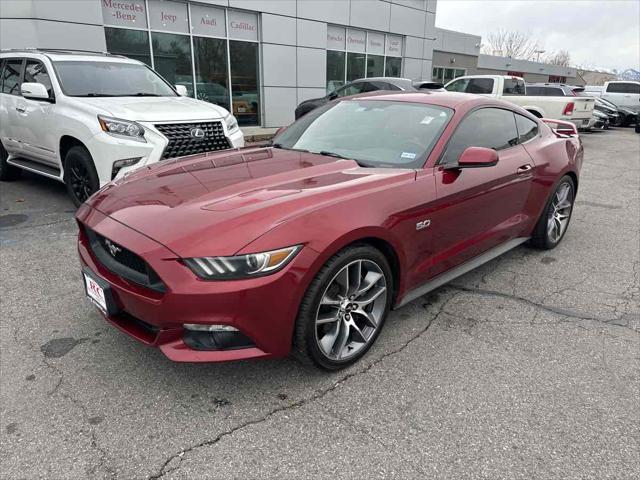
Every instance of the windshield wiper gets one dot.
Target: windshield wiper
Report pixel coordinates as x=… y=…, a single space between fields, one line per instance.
x=333 y=154
x=342 y=157
x=144 y=94
x=94 y=94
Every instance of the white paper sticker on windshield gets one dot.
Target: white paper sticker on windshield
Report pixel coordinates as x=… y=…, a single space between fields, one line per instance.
x=426 y=120
x=408 y=155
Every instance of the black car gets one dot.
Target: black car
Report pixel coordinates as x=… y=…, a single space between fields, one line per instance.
x=364 y=85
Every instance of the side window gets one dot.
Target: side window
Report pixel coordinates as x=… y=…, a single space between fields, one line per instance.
x=488 y=127
x=385 y=86
x=633 y=88
x=351 y=89
x=11 y=77
x=472 y=85
x=480 y=85
x=614 y=88
x=2 y=62
x=36 y=72
x=513 y=86
x=527 y=129
x=623 y=88
x=536 y=91
x=370 y=87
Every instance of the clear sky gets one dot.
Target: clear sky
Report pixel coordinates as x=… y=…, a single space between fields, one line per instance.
x=597 y=33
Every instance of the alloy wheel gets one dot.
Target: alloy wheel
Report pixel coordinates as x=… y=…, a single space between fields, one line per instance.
x=80 y=181
x=560 y=212
x=351 y=310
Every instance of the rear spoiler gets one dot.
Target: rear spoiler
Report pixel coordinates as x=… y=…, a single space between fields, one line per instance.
x=561 y=128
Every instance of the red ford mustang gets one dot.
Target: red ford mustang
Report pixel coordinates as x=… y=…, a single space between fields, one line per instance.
x=359 y=207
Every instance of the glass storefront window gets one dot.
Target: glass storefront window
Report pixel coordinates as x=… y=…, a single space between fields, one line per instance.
x=355 y=66
x=445 y=75
x=244 y=82
x=448 y=75
x=366 y=54
x=375 y=66
x=172 y=59
x=212 y=84
x=393 y=67
x=335 y=70
x=130 y=43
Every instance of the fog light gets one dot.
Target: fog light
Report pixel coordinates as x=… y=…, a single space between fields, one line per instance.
x=196 y=327
x=120 y=164
x=214 y=337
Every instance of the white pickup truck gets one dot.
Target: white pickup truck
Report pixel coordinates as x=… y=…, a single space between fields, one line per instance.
x=622 y=93
x=576 y=110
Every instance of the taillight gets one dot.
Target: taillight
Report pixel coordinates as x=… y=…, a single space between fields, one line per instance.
x=568 y=109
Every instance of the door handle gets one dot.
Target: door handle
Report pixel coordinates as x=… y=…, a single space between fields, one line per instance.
x=524 y=169
x=21 y=109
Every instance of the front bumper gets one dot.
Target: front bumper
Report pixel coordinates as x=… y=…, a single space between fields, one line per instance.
x=106 y=150
x=262 y=309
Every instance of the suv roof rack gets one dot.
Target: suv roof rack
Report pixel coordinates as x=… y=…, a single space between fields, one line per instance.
x=61 y=50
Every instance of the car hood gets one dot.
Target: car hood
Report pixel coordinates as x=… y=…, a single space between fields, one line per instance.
x=217 y=203
x=156 y=109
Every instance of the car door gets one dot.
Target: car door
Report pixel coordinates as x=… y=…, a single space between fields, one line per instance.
x=33 y=120
x=624 y=94
x=10 y=93
x=479 y=208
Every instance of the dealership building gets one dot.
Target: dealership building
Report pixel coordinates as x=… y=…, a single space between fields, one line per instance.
x=260 y=58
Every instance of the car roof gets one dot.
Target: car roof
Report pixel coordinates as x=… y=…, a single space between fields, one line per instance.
x=442 y=99
x=73 y=55
x=398 y=81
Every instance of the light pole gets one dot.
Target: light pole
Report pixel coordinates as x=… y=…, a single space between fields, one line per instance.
x=538 y=52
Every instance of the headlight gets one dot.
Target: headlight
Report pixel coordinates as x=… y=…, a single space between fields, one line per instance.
x=231 y=122
x=241 y=266
x=122 y=128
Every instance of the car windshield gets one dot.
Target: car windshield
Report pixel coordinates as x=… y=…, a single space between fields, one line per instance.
x=375 y=133
x=110 y=79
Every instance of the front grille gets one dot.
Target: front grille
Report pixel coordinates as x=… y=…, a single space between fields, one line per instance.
x=123 y=262
x=182 y=142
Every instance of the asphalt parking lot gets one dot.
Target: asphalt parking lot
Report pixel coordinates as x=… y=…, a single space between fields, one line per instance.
x=526 y=368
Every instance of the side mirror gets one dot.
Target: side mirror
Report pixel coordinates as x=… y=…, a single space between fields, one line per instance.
x=476 y=157
x=182 y=90
x=35 y=91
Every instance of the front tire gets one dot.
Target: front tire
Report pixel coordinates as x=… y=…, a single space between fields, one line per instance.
x=80 y=175
x=7 y=172
x=344 y=308
x=555 y=218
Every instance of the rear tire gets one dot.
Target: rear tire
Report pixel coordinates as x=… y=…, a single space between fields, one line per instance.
x=338 y=323
x=80 y=175
x=7 y=172
x=554 y=220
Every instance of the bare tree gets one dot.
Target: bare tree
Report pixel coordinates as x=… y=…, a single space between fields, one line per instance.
x=562 y=58
x=512 y=44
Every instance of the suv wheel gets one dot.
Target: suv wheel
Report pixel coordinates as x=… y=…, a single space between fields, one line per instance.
x=554 y=221
x=344 y=308
x=80 y=175
x=7 y=172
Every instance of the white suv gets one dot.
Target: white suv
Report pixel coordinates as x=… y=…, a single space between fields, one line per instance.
x=85 y=119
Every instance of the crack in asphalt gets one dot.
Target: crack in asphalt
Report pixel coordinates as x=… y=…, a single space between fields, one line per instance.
x=549 y=308
x=93 y=439
x=300 y=403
